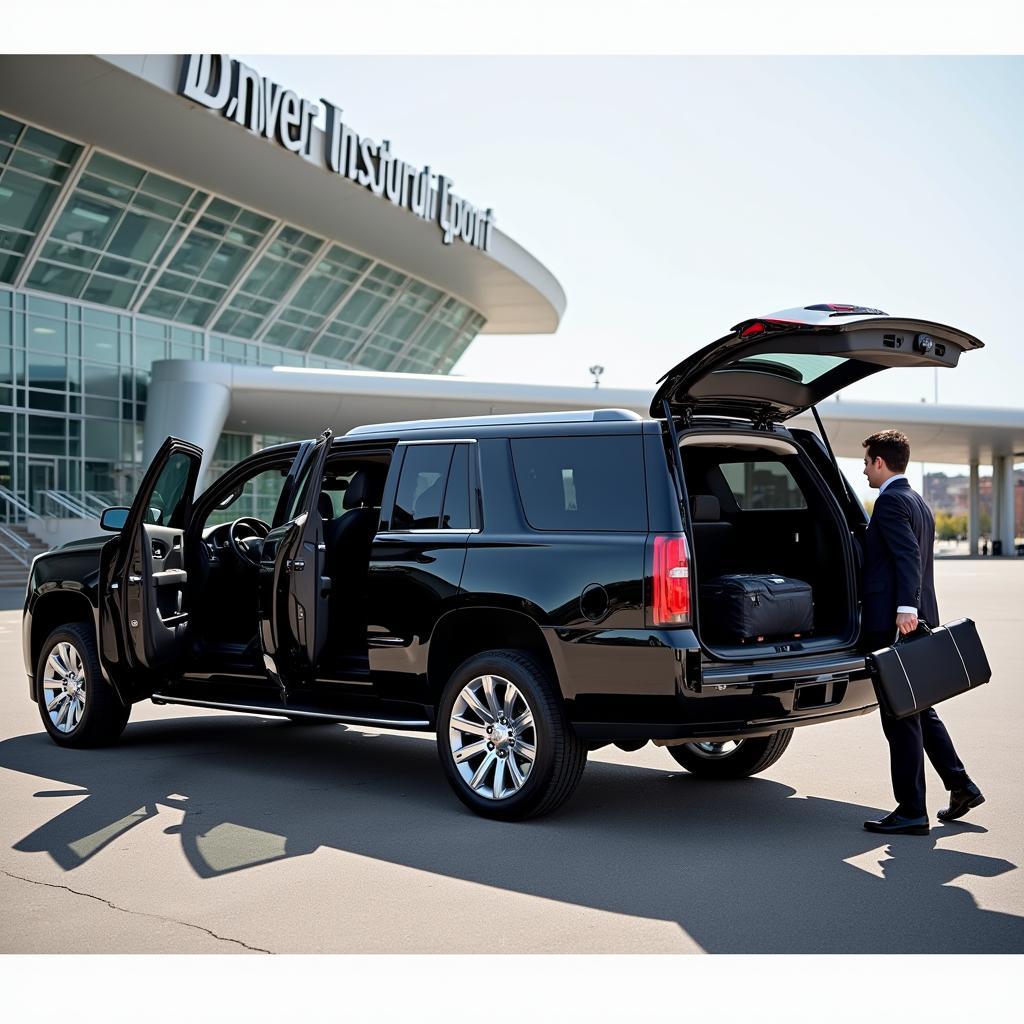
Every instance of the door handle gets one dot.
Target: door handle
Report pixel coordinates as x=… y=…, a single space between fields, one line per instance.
x=134 y=579
x=294 y=565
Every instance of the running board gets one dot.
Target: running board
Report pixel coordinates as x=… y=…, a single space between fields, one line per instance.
x=281 y=711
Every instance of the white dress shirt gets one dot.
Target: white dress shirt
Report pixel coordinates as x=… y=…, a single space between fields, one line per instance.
x=898 y=476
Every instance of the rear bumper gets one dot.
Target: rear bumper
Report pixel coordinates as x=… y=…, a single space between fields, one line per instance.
x=722 y=718
x=693 y=698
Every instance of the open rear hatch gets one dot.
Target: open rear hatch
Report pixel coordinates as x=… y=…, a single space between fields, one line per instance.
x=769 y=369
x=772 y=368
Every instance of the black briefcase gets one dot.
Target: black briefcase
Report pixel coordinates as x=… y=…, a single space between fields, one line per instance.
x=910 y=677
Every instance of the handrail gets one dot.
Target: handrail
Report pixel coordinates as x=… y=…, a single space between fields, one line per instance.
x=11 y=500
x=93 y=503
x=77 y=499
x=106 y=499
x=65 y=501
x=17 y=538
x=18 y=556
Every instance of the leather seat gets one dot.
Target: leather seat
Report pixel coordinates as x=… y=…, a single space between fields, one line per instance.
x=325 y=506
x=714 y=537
x=348 y=539
x=361 y=503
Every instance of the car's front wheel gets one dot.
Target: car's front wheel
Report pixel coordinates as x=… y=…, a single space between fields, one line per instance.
x=504 y=741
x=79 y=708
x=731 y=759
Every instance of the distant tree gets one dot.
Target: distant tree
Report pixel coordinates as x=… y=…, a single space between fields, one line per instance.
x=949 y=526
x=870 y=505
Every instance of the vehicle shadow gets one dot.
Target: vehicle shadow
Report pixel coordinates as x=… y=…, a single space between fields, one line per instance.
x=742 y=866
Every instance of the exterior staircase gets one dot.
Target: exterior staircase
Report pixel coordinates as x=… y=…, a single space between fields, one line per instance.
x=18 y=546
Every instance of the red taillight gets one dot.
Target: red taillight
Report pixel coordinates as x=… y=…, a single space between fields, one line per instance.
x=755 y=328
x=670 y=582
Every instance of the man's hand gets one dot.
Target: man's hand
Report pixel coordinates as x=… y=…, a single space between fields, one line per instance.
x=906 y=622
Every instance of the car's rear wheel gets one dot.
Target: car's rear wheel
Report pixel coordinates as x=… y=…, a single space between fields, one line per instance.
x=78 y=707
x=731 y=759
x=504 y=741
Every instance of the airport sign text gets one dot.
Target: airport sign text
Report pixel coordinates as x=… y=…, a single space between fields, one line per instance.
x=265 y=108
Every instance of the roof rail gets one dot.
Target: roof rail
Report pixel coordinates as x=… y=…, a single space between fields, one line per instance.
x=508 y=419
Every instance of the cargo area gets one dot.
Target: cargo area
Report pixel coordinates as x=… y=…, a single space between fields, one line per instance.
x=758 y=506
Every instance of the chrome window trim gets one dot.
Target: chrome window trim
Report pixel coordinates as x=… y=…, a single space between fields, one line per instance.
x=440 y=440
x=396 y=533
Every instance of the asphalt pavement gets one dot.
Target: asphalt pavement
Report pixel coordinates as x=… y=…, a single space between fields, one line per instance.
x=210 y=832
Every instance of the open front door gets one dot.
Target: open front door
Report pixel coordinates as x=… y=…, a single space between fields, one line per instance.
x=144 y=610
x=293 y=586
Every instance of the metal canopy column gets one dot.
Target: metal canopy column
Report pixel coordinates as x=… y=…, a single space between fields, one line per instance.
x=973 y=511
x=190 y=400
x=1002 y=502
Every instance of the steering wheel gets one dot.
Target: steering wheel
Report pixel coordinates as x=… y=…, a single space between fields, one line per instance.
x=246 y=536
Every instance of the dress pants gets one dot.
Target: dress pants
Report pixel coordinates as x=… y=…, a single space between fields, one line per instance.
x=910 y=739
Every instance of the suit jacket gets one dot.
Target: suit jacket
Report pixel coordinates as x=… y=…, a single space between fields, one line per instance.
x=898 y=566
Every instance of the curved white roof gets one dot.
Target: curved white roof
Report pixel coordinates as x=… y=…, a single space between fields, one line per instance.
x=129 y=106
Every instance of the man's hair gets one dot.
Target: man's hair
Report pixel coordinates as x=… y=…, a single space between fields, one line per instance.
x=891 y=446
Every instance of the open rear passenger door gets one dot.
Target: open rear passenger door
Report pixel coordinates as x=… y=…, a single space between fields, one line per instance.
x=144 y=605
x=293 y=586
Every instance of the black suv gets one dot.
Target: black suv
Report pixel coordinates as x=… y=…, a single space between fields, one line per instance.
x=524 y=585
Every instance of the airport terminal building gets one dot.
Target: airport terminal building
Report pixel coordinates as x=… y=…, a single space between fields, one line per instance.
x=185 y=207
x=184 y=249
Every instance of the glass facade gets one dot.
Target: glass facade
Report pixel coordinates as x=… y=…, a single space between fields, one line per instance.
x=106 y=267
x=33 y=166
x=113 y=229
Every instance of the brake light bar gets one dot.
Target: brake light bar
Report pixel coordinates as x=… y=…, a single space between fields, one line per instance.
x=670 y=583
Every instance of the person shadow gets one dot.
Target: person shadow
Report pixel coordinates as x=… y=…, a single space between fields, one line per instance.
x=746 y=866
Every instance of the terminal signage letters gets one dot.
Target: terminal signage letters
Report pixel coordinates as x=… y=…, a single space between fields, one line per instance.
x=265 y=108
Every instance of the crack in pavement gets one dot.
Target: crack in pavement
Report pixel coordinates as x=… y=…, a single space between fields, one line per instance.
x=137 y=913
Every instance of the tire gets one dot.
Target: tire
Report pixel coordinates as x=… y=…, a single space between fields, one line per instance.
x=748 y=757
x=535 y=762
x=97 y=716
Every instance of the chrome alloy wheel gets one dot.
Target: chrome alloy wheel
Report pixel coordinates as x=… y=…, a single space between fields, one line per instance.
x=712 y=749
x=64 y=686
x=492 y=737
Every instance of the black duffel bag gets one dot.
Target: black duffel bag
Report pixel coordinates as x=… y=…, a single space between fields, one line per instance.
x=910 y=677
x=752 y=606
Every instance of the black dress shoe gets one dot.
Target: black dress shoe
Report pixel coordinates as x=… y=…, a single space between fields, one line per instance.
x=898 y=824
x=960 y=802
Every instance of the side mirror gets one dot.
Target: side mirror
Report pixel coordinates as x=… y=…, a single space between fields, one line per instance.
x=113 y=519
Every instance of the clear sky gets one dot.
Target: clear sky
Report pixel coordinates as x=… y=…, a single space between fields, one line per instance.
x=675 y=196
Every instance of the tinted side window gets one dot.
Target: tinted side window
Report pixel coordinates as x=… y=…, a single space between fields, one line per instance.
x=456 y=496
x=766 y=484
x=167 y=501
x=303 y=482
x=421 y=487
x=582 y=483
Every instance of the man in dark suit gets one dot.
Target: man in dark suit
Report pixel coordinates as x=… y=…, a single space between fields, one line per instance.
x=898 y=588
